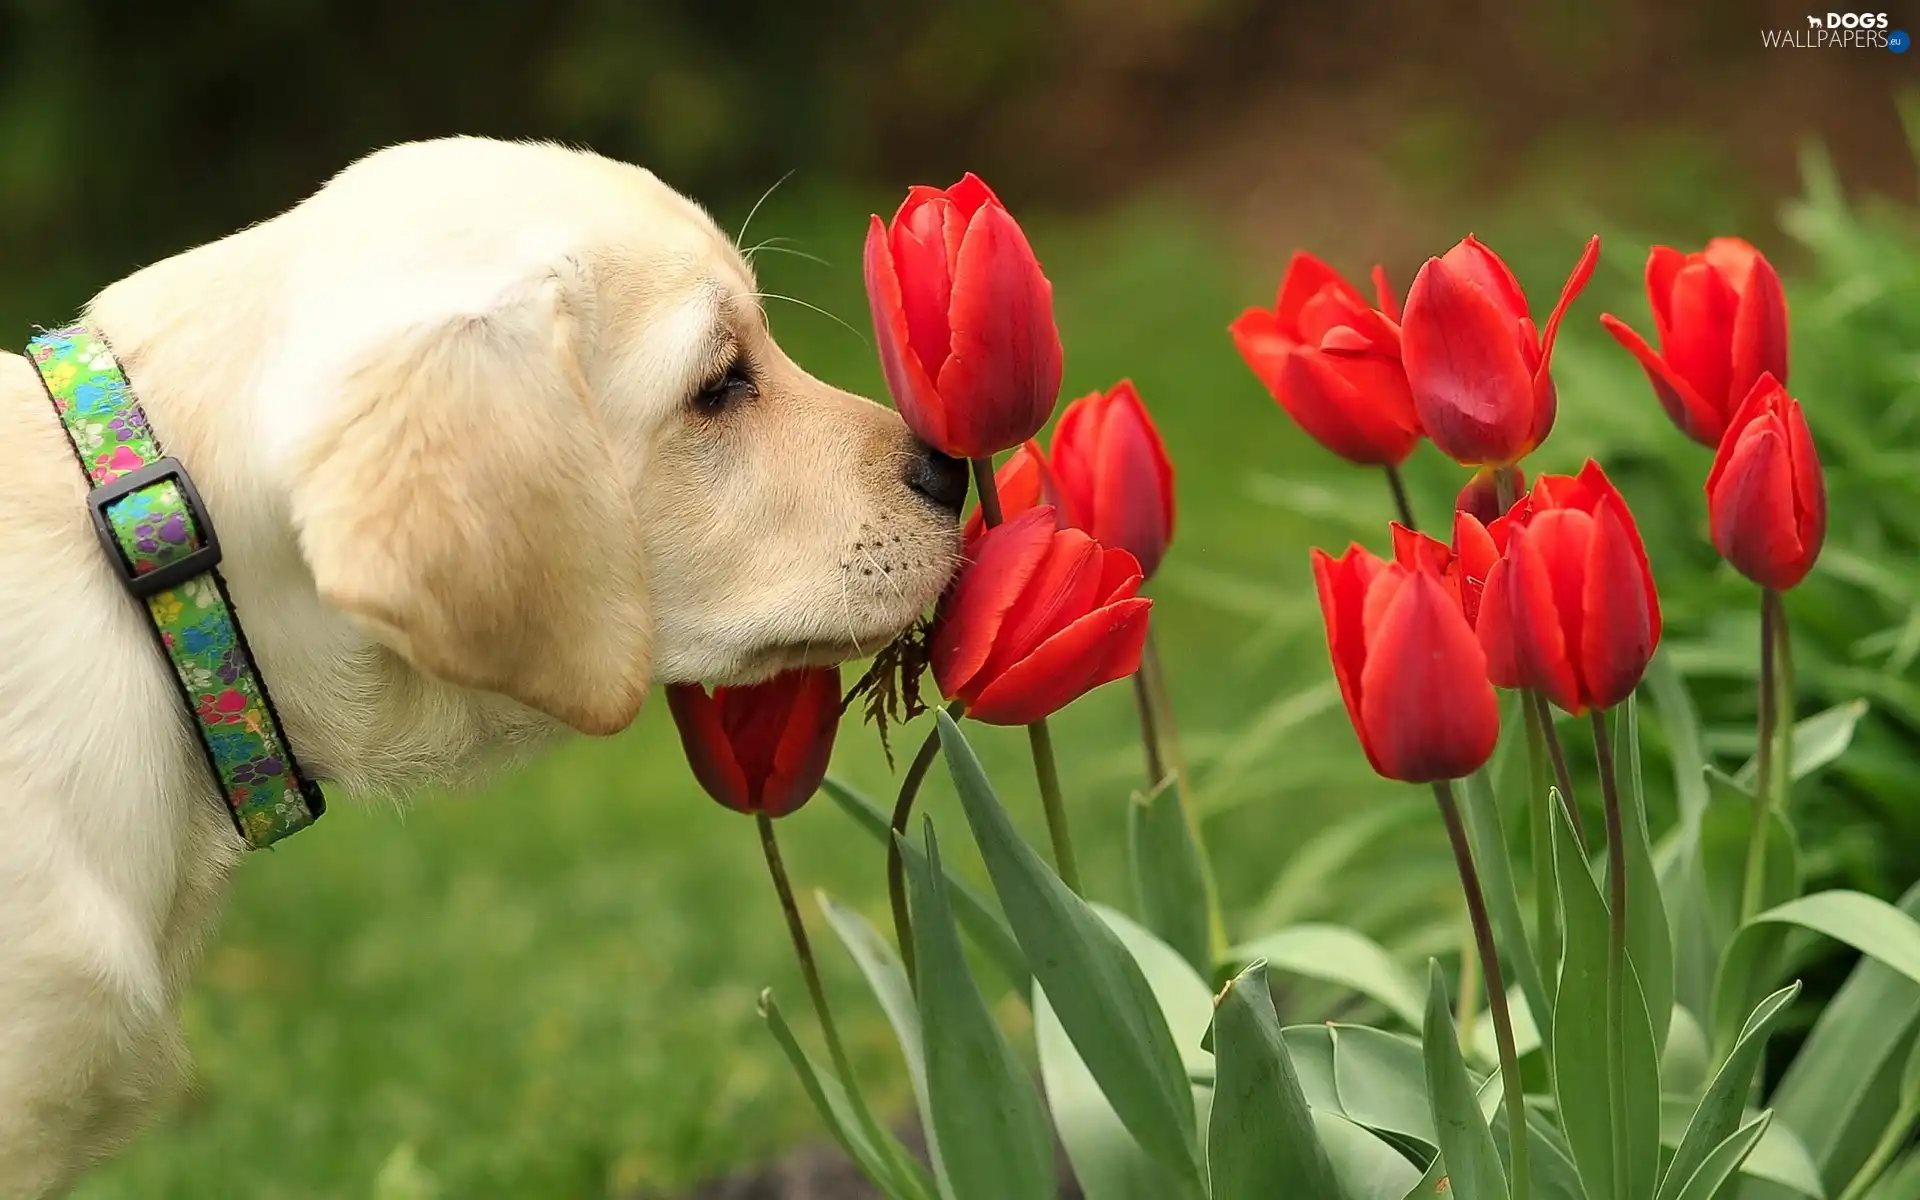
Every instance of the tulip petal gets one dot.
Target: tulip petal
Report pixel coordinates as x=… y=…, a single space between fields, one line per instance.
x=1100 y=647
x=1619 y=630
x=1493 y=625
x=1751 y=509
x=1699 y=348
x=1809 y=486
x=1383 y=297
x=1759 y=328
x=1536 y=582
x=913 y=391
x=708 y=750
x=1359 y=408
x=1692 y=415
x=924 y=265
x=806 y=744
x=1065 y=587
x=1413 y=549
x=1342 y=585
x=1471 y=259
x=1663 y=265
x=1470 y=384
x=1427 y=706
x=1022 y=483
x=1004 y=371
x=1474 y=557
x=971 y=194
x=1306 y=278
x=1258 y=335
x=1576 y=283
x=1734 y=258
x=971 y=616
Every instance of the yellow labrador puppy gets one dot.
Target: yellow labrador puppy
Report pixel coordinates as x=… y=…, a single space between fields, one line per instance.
x=495 y=439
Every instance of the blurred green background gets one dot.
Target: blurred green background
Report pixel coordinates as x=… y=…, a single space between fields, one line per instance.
x=547 y=988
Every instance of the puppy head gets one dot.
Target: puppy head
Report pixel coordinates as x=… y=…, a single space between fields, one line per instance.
x=566 y=457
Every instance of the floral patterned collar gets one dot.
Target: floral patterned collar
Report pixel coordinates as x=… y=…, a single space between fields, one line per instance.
x=157 y=535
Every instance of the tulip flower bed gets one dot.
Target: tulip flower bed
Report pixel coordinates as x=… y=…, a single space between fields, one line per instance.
x=1605 y=1041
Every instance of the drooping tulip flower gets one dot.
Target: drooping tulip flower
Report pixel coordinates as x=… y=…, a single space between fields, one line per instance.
x=1766 y=494
x=1481 y=495
x=1721 y=318
x=1333 y=363
x=1477 y=365
x=1114 y=474
x=1412 y=674
x=1572 y=600
x=1038 y=617
x=963 y=318
x=761 y=748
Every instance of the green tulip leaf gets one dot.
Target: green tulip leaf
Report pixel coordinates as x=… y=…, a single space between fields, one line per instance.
x=1366 y=1166
x=1606 y=1077
x=1649 y=940
x=1169 y=874
x=983 y=924
x=1107 y=1162
x=1338 y=955
x=1466 y=1143
x=995 y=1143
x=1817 y=741
x=887 y=1165
x=1481 y=813
x=1720 y=1110
x=1718 y=1164
x=1261 y=1139
x=1096 y=988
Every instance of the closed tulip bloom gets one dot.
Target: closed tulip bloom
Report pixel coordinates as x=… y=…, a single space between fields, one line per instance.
x=1112 y=470
x=1766 y=494
x=1481 y=495
x=762 y=748
x=1572 y=600
x=1038 y=617
x=1412 y=674
x=964 y=320
x=1332 y=361
x=1477 y=365
x=1721 y=318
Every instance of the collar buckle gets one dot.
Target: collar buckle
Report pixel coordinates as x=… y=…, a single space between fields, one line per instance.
x=175 y=571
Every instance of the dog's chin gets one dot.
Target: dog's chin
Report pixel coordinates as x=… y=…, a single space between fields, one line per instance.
x=768 y=661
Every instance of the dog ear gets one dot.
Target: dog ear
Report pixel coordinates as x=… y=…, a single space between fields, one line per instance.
x=465 y=503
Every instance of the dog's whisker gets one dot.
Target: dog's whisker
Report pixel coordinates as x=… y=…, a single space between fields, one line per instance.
x=771 y=244
x=884 y=573
x=835 y=317
x=742 y=235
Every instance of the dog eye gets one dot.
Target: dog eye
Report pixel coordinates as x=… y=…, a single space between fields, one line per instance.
x=725 y=390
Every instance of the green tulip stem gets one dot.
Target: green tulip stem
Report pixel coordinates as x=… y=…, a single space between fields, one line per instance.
x=1047 y=771
x=1540 y=816
x=1616 y=931
x=989 y=489
x=902 y=813
x=1892 y=1141
x=1542 y=718
x=1149 y=728
x=1770 y=767
x=1150 y=684
x=810 y=971
x=1400 y=500
x=1520 y=1182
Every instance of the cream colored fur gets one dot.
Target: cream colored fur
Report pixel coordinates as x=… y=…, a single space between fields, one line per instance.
x=441 y=413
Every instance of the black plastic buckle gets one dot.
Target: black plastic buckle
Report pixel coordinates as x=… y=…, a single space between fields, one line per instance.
x=196 y=562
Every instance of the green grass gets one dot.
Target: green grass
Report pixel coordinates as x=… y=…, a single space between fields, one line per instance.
x=547 y=988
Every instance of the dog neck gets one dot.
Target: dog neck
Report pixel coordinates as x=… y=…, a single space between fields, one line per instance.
x=357 y=713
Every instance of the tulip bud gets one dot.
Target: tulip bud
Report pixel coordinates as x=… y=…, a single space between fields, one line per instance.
x=1721 y=317
x=1040 y=616
x=1333 y=363
x=761 y=748
x=1412 y=674
x=1114 y=474
x=1476 y=365
x=963 y=318
x=1571 y=603
x=1766 y=494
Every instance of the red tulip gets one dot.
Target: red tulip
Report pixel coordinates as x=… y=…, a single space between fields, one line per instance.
x=1412 y=674
x=1481 y=495
x=1114 y=475
x=964 y=320
x=761 y=748
x=1040 y=616
x=1766 y=495
x=1333 y=362
x=1572 y=602
x=1463 y=566
x=1721 y=318
x=1477 y=366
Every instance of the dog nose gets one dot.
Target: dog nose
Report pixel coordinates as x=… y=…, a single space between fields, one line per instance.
x=940 y=479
